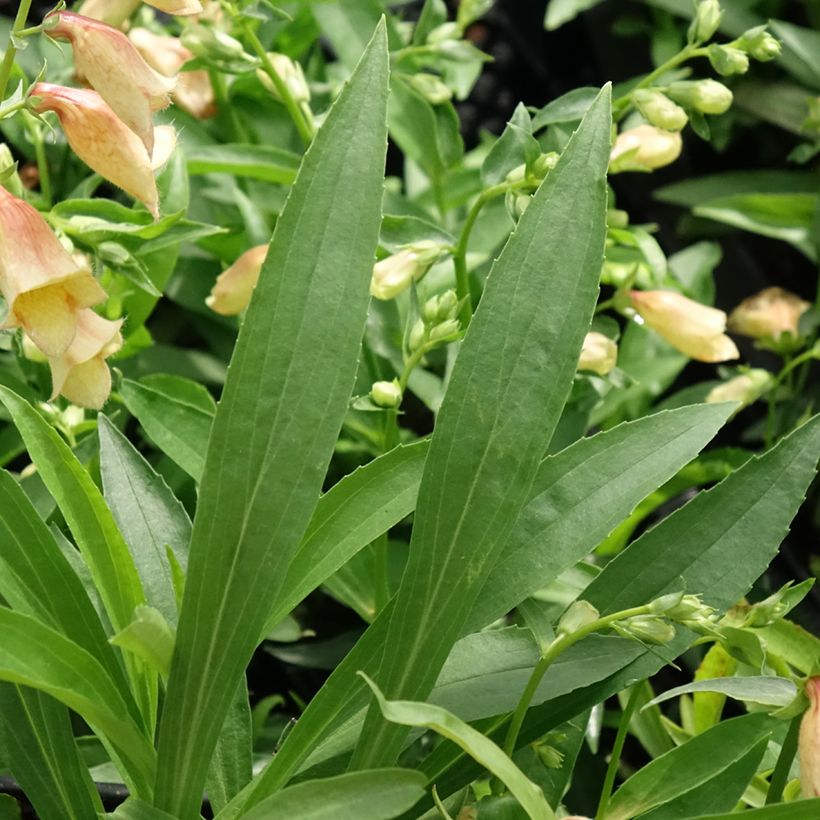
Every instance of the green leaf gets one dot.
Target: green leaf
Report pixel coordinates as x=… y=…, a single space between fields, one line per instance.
x=9 y=808
x=37 y=741
x=479 y=747
x=562 y=11
x=265 y=162
x=801 y=47
x=769 y=691
x=512 y=148
x=513 y=374
x=37 y=656
x=135 y=809
x=177 y=415
x=285 y=397
x=569 y=107
x=699 y=190
x=148 y=514
x=688 y=766
x=378 y=794
x=149 y=637
x=798 y=810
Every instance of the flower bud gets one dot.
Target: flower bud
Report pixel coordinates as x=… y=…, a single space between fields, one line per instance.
x=644 y=148
x=516 y=203
x=647 y=628
x=101 y=139
x=444 y=32
x=394 y=274
x=706 y=96
x=694 y=329
x=447 y=330
x=431 y=87
x=809 y=743
x=193 y=91
x=234 y=286
x=440 y=308
x=769 y=313
x=706 y=21
x=386 y=394
x=578 y=615
x=81 y=373
x=727 y=60
x=657 y=109
x=746 y=388
x=598 y=354
x=114 y=68
x=291 y=74
x=43 y=285
x=759 y=44
x=666 y=603
x=544 y=164
x=418 y=336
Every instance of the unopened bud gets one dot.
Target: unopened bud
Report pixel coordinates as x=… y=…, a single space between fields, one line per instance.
x=759 y=44
x=644 y=148
x=444 y=32
x=706 y=21
x=447 y=330
x=431 y=87
x=598 y=354
x=647 y=628
x=516 y=203
x=440 y=308
x=545 y=163
x=746 y=388
x=666 y=603
x=291 y=75
x=418 y=336
x=769 y=313
x=386 y=394
x=518 y=174
x=809 y=743
x=394 y=274
x=727 y=60
x=706 y=96
x=657 y=109
x=578 y=615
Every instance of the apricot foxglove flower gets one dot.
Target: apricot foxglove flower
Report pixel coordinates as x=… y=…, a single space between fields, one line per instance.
x=394 y=274
x=644 y=148
x=112 y=66
x=44 y=286
x=746 y=388
x=193 y=91
x=81 y=373
x=769 y=313
x=695 y=329
x=234 y=286
x=598 y=354
x=101 y=139
x=809 y=743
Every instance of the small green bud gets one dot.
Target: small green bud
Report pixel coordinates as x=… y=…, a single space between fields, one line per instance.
x=446 y=330
x=291 y=75
x=394 y=274
x=418 y=335
x=578 y=615
x=658 y=110
x=204 y=41
x=444 y=32
x=768 y=611
x=386 y=394
x=518 y=174
x=545 y=163
x=706 y=21
x=447 y=306
x=689 y=606
x=647 y=628
x=431 y=87
x=759 y=44
x=706 y=96
x=662 y=605
x=551 y=757
x=516 y=203
x=616 y=218
x=727 y=60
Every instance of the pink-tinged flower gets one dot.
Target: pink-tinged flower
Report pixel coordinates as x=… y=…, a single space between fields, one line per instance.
x=772 y=312
x=101 y=139
x=81 y=373
x=113 y=67
x=44 y=286
x=694 y=329
x=193 y=91
x=809 y=744
x=234 y=286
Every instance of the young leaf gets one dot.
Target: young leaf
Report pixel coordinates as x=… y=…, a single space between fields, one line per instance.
x=769 y=691
x=149 y=637
x=291 y=376
x=378 y=794
x=479 y=747
x=798 y=810
x=513 y=374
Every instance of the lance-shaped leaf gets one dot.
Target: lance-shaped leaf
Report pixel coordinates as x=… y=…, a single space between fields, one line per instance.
x=284 y=401
x=505 y=396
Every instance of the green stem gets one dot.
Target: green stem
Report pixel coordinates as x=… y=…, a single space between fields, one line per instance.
x=224 y=107
x=381 y=584
x=11 y=51
x=780 y=775
x=617 y=748
x=558 y=646
x=304 y=128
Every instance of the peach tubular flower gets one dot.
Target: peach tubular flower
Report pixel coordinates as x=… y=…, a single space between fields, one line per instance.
x=809 y=743
x=101 y=139
x=693 y=328
x=81 y=373
x=772 y=312
x=193 y=91
x=234 y=286
x=112 y=66
x=44 y=286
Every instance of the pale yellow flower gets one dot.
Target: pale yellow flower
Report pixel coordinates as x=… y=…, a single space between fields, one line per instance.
x=395 y=273
x=599 y=354
x=771 y=312
x=644 y=148
x=234 y=286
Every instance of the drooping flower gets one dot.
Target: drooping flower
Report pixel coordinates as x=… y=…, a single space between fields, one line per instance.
x=394 y=274
x=695 y=329
x=809 y=743
x=101 y=139
x=81 y=373
x=234 y=286
x=746 y=388
x=113 y=67
x=193 y=91
x=44 y=286
x=644 y=148
x=769 y=313
x=598 y=354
